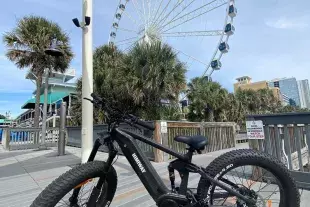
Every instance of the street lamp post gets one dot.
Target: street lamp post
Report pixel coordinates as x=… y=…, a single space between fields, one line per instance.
x=87 y=77
x=52 y=51
x=87 y=83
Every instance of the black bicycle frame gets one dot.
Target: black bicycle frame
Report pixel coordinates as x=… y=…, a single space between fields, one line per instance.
x=146 y=172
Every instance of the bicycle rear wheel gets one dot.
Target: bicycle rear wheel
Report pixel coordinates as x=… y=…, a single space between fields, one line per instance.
x=60 y=190
x=254 y=174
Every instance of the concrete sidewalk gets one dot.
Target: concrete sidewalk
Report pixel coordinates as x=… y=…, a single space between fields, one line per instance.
x=24 y=174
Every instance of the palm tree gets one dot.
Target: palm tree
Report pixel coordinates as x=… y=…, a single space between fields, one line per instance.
x=109 y=82
x=155 y=74
x=137 y=82
x=111 y=79
x=207 y=99
x=231 y=110
x=26 y=45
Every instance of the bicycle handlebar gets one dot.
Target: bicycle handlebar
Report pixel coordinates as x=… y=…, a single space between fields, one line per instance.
x=144 y=124
x=133 y=119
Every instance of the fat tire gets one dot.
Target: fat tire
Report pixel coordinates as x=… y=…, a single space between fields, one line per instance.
x=55 y=191
x=244 y=157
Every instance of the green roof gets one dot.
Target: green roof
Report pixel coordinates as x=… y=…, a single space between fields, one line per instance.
x=3 y=121
x=52 y=97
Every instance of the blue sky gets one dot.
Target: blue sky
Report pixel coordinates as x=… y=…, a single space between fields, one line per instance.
x=271 y=41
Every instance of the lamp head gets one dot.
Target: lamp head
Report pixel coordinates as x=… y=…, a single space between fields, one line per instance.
x=53 y=50
x=76 y=22
x=87 y=20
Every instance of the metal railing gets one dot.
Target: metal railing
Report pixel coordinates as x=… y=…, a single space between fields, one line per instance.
x=220 y=136
x=28 y=138
x=287 y=137
x=74 y=137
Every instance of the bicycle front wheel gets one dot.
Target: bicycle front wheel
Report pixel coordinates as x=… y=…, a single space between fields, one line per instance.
x=84 y=178
x=253 y=174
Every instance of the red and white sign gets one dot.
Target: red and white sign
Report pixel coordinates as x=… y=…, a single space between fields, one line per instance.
x=255 y=129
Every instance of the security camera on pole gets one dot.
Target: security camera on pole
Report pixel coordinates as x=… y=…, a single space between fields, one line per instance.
x=87 y=78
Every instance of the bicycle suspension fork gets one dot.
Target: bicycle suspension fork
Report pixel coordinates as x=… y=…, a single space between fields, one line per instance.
x=74 y=198
x=112 y=153
x=96 y=190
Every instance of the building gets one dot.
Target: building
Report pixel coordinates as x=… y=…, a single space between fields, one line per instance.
x=7 y=122
x=245 y=82
x=59 y=90
x=289 y=87
x=304 y=93
x=286 y=100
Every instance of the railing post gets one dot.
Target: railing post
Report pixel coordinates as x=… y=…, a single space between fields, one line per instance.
x=202 y=129
x=161 y=138
x=298 y=145
x=158 y=154
x=62 y=130
x=267 y=143
x=6 y=138
x=277 y=142
x=287 y=143
x=307 y=128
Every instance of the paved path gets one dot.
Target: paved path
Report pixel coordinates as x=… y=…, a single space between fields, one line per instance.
x=24 y=174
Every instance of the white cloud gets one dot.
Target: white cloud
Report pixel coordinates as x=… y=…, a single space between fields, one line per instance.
x=284 y=23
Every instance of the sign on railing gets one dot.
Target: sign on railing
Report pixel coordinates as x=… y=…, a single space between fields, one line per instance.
x=286 y=137
x=255 y=129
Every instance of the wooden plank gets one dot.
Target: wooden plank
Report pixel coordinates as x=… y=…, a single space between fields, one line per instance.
x=183 y=124
x=158 y=154
x=287 y=143
x=277 y=143
x=298 y=141
x=295 y=158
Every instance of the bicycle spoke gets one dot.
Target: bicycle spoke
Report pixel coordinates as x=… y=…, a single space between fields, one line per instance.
x=256 y=180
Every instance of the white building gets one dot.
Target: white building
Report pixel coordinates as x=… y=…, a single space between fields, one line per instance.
x=304 y=93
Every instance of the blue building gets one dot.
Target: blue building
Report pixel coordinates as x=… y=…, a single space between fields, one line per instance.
x=285 y=99
x=289 y=87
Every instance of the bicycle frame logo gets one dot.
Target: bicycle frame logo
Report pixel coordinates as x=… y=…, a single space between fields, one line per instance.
x=138 y=162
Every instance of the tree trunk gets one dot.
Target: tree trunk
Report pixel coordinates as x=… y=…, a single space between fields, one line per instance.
x=37 y=111
x=210 y=116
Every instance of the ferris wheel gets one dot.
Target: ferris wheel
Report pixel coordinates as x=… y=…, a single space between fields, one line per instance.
x=183 y=24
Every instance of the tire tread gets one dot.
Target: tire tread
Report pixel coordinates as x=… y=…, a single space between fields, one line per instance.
x=67 y=181
x=253 y=157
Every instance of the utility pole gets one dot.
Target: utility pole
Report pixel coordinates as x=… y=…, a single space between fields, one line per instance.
x=87 y=80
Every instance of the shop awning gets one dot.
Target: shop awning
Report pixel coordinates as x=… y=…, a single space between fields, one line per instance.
x=52 y=97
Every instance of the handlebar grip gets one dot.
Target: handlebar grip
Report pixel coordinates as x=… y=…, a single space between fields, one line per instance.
x=146 y=125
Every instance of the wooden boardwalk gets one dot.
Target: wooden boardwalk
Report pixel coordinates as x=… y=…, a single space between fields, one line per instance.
x=24 y=174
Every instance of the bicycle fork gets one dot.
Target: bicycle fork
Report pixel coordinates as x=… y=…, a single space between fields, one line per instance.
x=97 y=189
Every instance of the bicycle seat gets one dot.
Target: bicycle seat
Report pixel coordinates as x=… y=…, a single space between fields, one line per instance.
x=197 y=142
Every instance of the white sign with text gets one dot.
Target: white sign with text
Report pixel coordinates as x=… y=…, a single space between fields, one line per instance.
x=255 y=129
x=163 y=127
